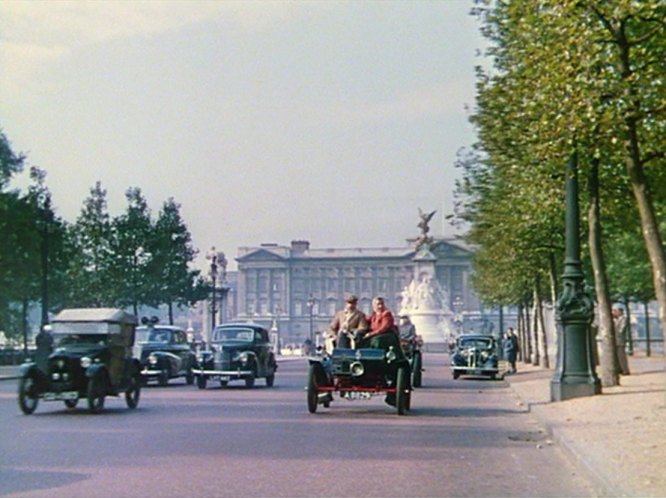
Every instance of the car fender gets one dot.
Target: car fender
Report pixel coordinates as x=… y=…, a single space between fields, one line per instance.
x=167 y=360
x=29 y=369
x=96 y=370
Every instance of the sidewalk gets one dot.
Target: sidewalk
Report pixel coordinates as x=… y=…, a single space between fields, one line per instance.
x=619 y=436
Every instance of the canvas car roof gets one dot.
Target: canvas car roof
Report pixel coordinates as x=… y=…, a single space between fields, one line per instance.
x=108 y=315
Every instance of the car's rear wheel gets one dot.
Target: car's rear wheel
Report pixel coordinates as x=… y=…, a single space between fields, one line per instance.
x=96 y=394
x=401 y=391
x=201 y=381
x=133 y=393
x=71 y=403
x=313 y=392
x=26 y=396
x=416 y=369
x=163 y=378
x=270 y=380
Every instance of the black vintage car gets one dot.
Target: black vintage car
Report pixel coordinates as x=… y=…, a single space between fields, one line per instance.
x=92 y=359
x=361 y=374
x=237 y=351
x=475 y=354
x=165 y=353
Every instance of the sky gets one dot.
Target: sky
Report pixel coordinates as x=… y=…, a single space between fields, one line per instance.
x=269 y=121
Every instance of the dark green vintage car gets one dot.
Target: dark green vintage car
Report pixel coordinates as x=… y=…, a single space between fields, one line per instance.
x=164 y=353
x=92 y=359
x=237 y=351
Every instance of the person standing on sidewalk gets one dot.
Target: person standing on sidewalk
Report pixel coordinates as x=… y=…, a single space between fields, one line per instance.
x=511 y=349
x=620 y=325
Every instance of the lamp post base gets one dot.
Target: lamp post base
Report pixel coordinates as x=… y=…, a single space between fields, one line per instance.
x=562 y=391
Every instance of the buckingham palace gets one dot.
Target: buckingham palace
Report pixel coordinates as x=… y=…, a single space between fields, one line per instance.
x=296 y=289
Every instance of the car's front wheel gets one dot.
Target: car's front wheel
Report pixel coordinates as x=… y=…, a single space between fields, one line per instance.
x=163 y=377
x=417 y=369
x=249 y=381
x=26 y=396
x=456 y=374
x=96 y=394
x=133 y=393
x=201 y=381
x=189 y=378
x=270 y=380
x=402 y=391
x=313 y=392
x=71 y=403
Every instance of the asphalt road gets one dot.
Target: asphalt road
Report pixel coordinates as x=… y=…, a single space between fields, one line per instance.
x=467 y=437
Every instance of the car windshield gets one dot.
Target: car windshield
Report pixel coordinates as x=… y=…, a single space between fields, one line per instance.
x=144 y=336
x=233 y=334
x=61 y=340
x=476 y=342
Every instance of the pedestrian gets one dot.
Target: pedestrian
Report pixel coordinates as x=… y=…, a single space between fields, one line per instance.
x=620 y=326
x=44 y=343
x=347 y=322
x=511 y=349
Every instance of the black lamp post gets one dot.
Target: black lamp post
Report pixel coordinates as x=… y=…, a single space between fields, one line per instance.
x=212 y=256
x=575 y=376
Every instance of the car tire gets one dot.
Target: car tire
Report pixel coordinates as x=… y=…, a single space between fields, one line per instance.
x=96 y=394
x=401 y=390
x=313 y=392
x=417 y=374
x=249 y=381
x=270 y=380
x=456 y=374
x=224 y=383
x=133 y=393
x=163 y=378
x=27 y=400
x=189 y=378
x=71 y=403
x=201 y=381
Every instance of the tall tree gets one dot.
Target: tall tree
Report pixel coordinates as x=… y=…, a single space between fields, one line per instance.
x=173 y=253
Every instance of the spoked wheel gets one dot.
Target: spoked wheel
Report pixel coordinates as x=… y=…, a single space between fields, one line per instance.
x=402 y=391
x=133 y=393
x=163 y=378
x=71 y=403
x=26 y=396
x=201 y=381
x=416 y=369
x=313 y=393
x=96 y=394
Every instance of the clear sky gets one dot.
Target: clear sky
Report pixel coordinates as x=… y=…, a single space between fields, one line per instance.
x=267 y=121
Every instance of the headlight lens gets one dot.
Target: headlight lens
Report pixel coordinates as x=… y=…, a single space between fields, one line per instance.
x=200 y=358
x=86 y=361
x=242 y=357
x=152 y=359
x=356 y=368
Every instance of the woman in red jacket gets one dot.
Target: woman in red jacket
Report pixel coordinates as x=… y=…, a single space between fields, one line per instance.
x=381 y=320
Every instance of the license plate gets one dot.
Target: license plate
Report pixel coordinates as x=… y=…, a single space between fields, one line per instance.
x=61 y=396
x=220 y=377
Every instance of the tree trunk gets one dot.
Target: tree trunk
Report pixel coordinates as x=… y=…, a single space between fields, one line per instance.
x=521 y=333
x=608 y=364
x=528 y=333
x=536 y=358
x=630 y=334
x=639 y=183
x=542 y=324
x=648 y=346
x=170 y=305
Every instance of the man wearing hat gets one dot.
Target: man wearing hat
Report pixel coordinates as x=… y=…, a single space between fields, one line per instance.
x=347 y=322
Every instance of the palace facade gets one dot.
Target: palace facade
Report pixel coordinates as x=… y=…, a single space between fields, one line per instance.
x=297 y=289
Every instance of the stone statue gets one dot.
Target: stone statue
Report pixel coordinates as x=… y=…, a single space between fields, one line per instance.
x=424 y=238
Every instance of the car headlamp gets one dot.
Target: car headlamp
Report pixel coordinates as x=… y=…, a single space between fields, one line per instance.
x=200 y=358
x=242 y=357
x=484 y=355
x=152 y=359
x=86 y=361
x=356 y=369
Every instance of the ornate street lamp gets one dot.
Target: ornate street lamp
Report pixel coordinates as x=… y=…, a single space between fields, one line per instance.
x=311 y=304
x=575 y=376
x=212 y=257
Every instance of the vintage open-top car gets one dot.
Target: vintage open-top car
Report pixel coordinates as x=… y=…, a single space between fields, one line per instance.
x=360 y=374
x=237 y=351
x=475 y=354
x=92 y=359
x=164 y=353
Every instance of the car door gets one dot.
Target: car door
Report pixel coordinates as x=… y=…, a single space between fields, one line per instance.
x=182 y=349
